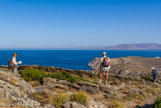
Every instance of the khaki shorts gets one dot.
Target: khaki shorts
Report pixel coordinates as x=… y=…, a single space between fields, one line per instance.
x=106 y=68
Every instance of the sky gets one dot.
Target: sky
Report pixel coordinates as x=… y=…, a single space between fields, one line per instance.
x=78 y=23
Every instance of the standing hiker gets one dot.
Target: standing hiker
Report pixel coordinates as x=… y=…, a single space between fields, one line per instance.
x=154 y=73
x=13 y=64
x=105 y=66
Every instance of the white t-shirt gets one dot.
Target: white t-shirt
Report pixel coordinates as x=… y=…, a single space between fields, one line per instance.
x=104 y=57
x=14 y=61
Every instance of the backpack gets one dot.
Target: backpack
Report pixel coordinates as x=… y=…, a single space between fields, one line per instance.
x=155 y=71
x=106 y=62
x=10 y=64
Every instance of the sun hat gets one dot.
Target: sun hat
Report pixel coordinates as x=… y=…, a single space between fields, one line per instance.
x=104 y=53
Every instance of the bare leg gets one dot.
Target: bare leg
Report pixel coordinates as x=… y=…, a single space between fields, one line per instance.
x=107 y=75
x=100 y=74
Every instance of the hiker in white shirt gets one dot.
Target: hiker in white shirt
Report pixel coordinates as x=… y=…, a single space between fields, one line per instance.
x=15 y=63
x=105 y=66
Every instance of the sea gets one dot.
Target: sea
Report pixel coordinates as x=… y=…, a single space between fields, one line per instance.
x=69 y=59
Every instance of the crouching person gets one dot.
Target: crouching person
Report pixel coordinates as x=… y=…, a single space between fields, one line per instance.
x=105 y=66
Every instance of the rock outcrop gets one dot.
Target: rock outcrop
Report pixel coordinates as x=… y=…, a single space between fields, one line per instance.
x=15 y=90
x=129 y=67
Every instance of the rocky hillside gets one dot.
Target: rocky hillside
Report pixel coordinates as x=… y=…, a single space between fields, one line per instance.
x=14 y=91
x=50 y=87
x=142 y=46
x=130 y=67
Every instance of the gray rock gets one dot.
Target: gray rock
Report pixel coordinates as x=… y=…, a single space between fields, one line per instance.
x=16 y=90
x=91 y=88
x=73 y=105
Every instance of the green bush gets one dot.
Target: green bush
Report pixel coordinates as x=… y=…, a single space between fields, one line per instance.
x=116 y=104
x=38 y=75
x=62 y=76
x=157 y=103
x=80 y=97
x=33 y=75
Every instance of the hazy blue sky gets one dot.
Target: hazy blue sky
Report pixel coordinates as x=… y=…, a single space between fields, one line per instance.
x=78 y=23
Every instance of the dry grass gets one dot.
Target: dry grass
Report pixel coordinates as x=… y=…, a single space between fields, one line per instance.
x=80 y=97
x=116 y=104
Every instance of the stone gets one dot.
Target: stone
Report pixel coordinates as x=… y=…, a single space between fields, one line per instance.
x=48 y=106
x=95 y=104
x=91 y=88
x=73 y=105
x=106 y=89
x=61 y=86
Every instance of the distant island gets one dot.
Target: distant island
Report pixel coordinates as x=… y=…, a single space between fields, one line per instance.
x=140 y=46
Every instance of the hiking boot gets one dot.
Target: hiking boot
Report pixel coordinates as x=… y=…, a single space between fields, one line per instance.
x=99 y=82
x=106 y=83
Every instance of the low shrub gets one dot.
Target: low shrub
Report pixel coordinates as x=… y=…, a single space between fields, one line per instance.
x=112 y=96
x=139 y=102
x=35 y=83
x=147 y=78
x=153 y=91
x=136 y=96
x=62 y=76
x=42 y=98
x=80 y=97
x=157 y=103
x=116 y=104
x=33 y=75
x=59 y=99
x=38 y=75
x=155 y=85
x=127 y=98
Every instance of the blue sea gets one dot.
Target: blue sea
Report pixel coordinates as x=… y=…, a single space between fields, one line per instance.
x=70 y=59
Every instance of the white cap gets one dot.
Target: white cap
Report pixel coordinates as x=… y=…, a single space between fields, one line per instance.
x=153 y=67
x=104 y=53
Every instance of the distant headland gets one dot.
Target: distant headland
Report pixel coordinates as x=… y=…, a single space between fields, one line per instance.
x=139 y=46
